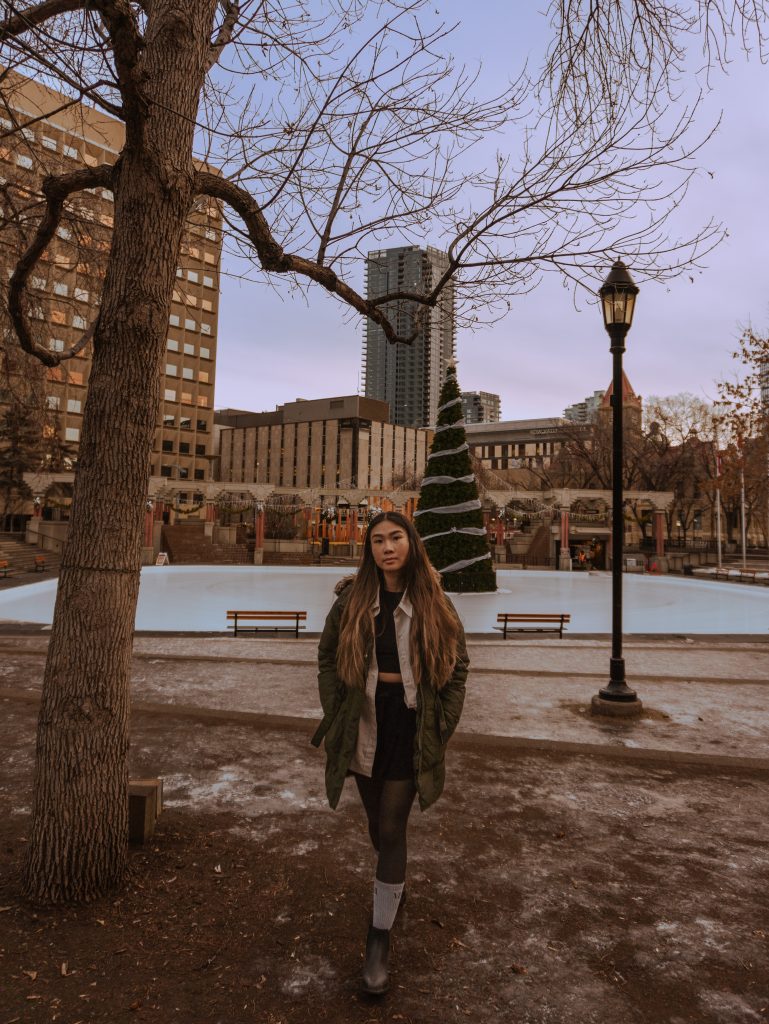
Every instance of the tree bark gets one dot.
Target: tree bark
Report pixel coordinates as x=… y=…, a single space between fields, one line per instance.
x=77 y=849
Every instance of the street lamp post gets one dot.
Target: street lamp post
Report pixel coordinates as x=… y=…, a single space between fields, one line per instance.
x=618 y=294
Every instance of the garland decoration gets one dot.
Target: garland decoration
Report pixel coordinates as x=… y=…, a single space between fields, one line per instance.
x=449 y=518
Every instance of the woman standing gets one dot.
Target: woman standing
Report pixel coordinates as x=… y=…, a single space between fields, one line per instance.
x=392 y=670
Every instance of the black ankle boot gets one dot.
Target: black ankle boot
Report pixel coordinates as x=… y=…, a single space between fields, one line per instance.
x=375 y=980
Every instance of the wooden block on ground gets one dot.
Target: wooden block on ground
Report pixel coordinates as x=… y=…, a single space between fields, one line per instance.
x=157 y=784
x=143 y=800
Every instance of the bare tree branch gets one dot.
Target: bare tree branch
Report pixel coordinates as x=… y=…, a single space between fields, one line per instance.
x=231 y=9
x=56 y=190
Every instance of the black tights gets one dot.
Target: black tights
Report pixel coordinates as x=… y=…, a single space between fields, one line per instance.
x=388 y=804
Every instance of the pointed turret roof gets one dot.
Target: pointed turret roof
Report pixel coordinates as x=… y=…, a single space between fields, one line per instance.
x=629 y=397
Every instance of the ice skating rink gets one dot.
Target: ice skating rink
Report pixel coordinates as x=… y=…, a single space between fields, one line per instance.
x=195 y=598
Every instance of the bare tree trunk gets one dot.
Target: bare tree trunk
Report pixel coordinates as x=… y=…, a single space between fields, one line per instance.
x=78 y=843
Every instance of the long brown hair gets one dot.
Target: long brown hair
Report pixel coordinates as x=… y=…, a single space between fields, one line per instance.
x=434 y=625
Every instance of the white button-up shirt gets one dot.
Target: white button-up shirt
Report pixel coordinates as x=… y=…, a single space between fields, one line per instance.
x=363 y=759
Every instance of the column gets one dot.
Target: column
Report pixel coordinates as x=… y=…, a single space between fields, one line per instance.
x=564 y=562
x=659 y=532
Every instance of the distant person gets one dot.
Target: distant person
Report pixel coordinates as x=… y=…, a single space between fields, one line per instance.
x=392 y=669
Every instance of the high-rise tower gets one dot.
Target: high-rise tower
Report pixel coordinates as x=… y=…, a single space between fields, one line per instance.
x=409 y=377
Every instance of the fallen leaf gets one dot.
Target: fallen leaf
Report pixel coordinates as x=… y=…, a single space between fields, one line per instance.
x=30 y=974
x=435 y=921
x=100 y=921
x=218 y=869
x=135 y=1005
x=63 y=970
x=519 y=969
x=3 y=909
x=30 y=998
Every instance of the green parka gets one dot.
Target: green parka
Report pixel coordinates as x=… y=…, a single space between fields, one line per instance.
x=438 y=712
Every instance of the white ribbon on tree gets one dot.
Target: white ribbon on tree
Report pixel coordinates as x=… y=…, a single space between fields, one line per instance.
x=449 y=451
x=428 y=480
x=456 y=566
x=448 y=405
x=445 y=510
x=459 y=425
x=472 y=531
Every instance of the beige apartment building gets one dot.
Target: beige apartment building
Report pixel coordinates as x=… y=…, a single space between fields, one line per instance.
x=42 y=132
x=326 y=444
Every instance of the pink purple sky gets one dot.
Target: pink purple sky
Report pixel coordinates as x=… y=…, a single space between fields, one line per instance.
x=545 y=354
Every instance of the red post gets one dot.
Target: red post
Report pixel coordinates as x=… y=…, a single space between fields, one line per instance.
x=659 y=532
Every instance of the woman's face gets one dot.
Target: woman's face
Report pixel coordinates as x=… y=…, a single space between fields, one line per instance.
x=390 y=547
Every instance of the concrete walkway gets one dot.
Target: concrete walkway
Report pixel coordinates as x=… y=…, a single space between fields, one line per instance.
x=702 y=700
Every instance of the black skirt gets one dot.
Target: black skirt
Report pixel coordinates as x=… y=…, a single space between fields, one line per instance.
x=396 y=726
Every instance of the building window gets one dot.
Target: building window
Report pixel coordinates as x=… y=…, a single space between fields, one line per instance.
x=56 y=345
x=184 y=448
x=74 y=405
x=169 y=421
x=187 y=373
x=79 y=322
x=189 y=350
x=185 y=423
x=200 y=474
x=24 y=161
x=169 y=395
x=192 y=275
x=179 y=272
x=208 y=281
x=173 y=320
x=203 y=377
x=39 y=283
x=69 y=151
x=208 y=306
x=205 y=329
x=75 y=377
x=48 y=143
x=172 y=346
x=205 y=353
x=190 y=325
x=165 y=470
x=202 y=400
x=71 y=434
x=202 y=426
x=187 y=397
x=60 y=288
x=167 y=446
x=210 y=234
x=81 y=295
x=200 y=449
x=63 y=232
x=209 y=258
x=52 y=402
x=183 y=473
x=171 y=370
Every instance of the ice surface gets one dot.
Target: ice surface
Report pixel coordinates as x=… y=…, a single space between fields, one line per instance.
x=195 y=598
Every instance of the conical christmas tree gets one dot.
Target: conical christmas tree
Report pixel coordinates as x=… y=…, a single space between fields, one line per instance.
x=448 y=517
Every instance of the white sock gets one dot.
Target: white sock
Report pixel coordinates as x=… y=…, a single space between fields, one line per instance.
x=386 y=900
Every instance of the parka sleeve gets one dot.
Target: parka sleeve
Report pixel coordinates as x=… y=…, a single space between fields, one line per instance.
x=452 y=695
x=331 y=689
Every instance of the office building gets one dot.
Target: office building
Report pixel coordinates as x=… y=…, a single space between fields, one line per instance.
x=44 y=133
x=409 y=377
x=586 y=410
x=480 y=407
x=326 y=444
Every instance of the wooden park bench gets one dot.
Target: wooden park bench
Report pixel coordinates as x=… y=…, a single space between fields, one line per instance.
x=531 y=622
x=292 y=622
x=39 y=563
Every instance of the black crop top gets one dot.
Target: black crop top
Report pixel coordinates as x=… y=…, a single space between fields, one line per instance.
x=384 y=630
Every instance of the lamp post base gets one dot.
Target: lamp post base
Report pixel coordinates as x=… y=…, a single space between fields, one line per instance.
x=616 y=708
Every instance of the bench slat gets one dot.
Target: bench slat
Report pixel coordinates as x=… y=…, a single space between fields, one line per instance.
x=507 y=620
x=295 y=618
